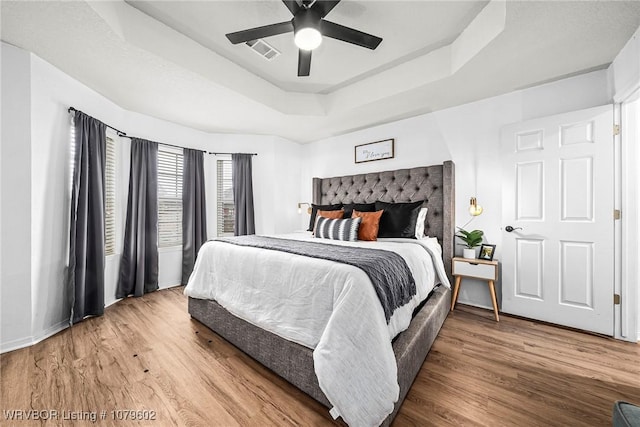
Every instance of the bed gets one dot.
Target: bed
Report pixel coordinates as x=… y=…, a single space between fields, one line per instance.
x=294 y=361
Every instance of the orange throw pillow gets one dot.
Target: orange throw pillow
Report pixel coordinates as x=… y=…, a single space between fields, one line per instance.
x=369 y=225
x=328 y=214
x=332 y=214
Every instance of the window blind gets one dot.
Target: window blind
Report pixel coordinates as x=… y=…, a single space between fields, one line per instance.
x=169 y=196
x=72 y=153
x=225 y=206
x=110 y=198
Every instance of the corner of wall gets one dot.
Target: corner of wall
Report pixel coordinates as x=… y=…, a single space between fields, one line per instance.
x=15 y=168
x=624 y=71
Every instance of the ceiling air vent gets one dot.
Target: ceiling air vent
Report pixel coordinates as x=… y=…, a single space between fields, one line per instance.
x=263 y=49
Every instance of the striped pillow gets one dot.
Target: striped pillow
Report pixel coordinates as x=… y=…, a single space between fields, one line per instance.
x=338 y=229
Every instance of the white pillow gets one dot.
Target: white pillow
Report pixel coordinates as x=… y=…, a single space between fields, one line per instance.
x=422 y=216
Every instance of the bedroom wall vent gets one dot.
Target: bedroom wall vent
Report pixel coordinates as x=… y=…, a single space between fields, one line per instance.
x=263 y=49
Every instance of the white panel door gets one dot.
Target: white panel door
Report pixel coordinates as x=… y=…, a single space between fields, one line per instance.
x=558 y=195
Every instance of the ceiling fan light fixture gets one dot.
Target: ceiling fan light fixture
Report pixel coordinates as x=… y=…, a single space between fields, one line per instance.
x=306 y=29
x=309 y=28
x=307 y=38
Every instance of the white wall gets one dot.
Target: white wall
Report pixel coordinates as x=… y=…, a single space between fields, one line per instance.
x=625 y=69
x=35 y=189
x=52 y=92
x=470 y=136
x=625 y=80
x=34 y=172
x=15 y=169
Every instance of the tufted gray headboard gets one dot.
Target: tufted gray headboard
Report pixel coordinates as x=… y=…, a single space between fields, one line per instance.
x=435 y=184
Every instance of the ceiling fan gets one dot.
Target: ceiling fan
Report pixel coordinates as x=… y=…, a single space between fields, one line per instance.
x=308 y=25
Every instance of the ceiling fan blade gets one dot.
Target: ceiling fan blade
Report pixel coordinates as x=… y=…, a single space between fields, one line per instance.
x=260 y=32
x=349 y=35
x=324 y=7
x=304 y=62
x=292 y=5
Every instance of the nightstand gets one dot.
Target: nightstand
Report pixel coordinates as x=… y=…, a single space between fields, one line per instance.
x=477 y=269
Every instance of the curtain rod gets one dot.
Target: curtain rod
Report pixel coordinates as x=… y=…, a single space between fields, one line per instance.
x=120 y=133
x=229 y=154
x=169 y=145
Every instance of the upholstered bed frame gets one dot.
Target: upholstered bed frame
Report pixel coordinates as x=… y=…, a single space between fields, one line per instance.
x=293 y=362
x=433 y=184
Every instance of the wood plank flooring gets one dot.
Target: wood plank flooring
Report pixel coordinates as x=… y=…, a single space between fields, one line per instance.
x=147 y=354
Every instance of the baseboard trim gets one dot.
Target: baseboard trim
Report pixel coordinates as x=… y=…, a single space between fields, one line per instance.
x=473 y=304
x=34 y=339
x=109 y=304
x=51 y=330
x=15 y=344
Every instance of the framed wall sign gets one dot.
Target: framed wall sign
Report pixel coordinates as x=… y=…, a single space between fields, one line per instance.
x=378 y=150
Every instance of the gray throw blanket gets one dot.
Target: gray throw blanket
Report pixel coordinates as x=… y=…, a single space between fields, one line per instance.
x=389 y=273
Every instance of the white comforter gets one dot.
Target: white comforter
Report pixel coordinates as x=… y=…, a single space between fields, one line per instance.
x=324 y=305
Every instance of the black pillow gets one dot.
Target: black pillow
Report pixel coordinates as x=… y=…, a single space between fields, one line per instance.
x=398 y=219
x=360 y=207
x=316 y=208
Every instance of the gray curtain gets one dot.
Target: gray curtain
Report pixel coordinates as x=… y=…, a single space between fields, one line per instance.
x=242 y=194
x=139 y=263
x=194 y=212
x=86 y=240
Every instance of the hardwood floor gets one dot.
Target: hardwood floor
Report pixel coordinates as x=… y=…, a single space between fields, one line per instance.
x=147 y=354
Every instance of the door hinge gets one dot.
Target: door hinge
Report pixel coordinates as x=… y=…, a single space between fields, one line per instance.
x=616 y=129
x=617 y=214
x=616 y=299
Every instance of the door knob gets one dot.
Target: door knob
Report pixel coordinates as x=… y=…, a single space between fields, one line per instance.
x=509 y=228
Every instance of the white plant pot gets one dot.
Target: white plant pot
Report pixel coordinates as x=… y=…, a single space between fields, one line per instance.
x=469 y=253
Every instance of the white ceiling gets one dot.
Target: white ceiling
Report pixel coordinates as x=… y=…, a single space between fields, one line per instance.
x=171 y=59
x=409 y=29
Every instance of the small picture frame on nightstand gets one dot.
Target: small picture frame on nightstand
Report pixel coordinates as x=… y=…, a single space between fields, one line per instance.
x=486 y=252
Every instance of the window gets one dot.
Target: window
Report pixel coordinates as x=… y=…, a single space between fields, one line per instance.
x=225 y=198
x=110 y=198
x=169 y=196
x=72 y=153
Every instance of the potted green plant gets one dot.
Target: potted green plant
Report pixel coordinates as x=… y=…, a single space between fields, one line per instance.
x=471 y=240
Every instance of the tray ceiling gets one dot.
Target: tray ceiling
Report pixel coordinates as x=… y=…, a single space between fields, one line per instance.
x=171 y=59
